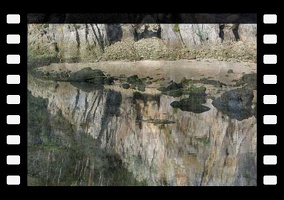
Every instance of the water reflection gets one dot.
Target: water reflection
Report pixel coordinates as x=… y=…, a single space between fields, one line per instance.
x=58 y=154
x=192 y=104
x=237 y=103
x=81 y=135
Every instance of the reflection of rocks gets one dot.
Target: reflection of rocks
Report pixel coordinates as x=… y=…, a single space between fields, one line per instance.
x=198 y=149
x=87 y=87
x=237 y=103
x=192 y=104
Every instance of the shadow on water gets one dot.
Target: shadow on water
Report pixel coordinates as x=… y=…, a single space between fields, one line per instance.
x=60 y=155
x=138 y=96
x=111 y=109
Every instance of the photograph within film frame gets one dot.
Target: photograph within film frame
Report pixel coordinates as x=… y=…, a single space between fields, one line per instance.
x=140 y=99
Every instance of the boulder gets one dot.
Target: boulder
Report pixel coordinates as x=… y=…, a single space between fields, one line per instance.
x=88 y=75
x=237 y=103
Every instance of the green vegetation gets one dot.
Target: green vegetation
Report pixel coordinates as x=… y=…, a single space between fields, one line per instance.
x=176 y=28
x=196 y=90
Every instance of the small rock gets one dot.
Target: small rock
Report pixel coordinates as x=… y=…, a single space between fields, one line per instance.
x=125 y=86
x=230 y=71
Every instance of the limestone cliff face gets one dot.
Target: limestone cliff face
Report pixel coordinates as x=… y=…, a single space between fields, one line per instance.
x=198 y=149
x=67 y=41
x=87 y=42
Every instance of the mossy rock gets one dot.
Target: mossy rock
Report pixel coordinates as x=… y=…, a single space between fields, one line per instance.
x=174 y=89
x=177 y=90
x=88 y=75
x=197 y=90
x=133 y=79
x=125 y=85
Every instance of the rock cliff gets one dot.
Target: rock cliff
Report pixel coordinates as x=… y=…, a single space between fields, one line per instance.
x=89 y=42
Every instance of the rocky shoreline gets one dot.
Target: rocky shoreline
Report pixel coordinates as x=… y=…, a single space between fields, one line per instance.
x=231 y=86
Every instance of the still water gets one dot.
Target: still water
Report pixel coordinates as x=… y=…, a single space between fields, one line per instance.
x=81 y=135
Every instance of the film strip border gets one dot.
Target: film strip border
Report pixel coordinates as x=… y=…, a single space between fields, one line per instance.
x=14 y=82
x=268 y=64
x=14 y=114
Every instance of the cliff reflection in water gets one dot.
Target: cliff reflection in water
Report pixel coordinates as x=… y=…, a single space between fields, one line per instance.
x=110 y=136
